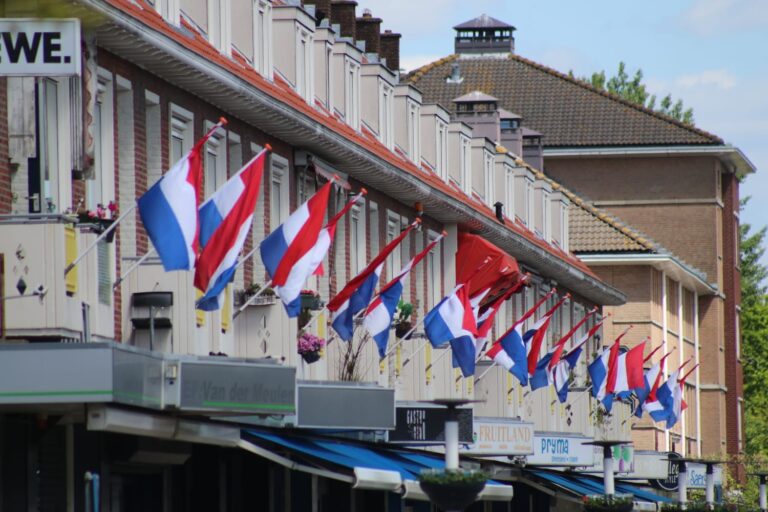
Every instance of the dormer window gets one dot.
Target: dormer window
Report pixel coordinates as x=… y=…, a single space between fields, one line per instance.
x=352 y=93
x=168 y=9
x=304 y=64
x=262 y=37
x=386 y=94
x=510 y=124
x=219 y=25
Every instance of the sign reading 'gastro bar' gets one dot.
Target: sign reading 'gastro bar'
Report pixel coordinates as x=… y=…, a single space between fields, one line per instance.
x=426 y=425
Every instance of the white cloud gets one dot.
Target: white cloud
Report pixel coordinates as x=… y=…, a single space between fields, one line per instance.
x=411 y=62
x=711 y=17
x=719 y=78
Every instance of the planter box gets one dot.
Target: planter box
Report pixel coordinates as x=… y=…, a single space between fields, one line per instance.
x=311 y=302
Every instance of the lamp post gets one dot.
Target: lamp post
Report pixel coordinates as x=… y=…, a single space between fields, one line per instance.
x=450 y=489
x=763 y=476
x=682 y=479
x=608 y=484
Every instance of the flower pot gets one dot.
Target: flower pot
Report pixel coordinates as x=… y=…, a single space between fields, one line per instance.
x=452 y=495
x=402 y=329
x=311 y=357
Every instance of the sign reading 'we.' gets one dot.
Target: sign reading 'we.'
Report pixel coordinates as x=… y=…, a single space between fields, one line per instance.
x=39 y=47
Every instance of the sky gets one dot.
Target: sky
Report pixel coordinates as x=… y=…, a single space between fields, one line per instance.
x=712 y=54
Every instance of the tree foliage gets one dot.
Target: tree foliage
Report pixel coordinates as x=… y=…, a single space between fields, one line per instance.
x=633 y=89
x=754 y=332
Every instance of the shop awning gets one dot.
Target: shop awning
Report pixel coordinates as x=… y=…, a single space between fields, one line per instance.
x=498 y=274
x=586 y=485
x=363 y=466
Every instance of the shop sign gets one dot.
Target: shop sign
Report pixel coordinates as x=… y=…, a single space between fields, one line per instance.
x=345 y=405
x=561 y=450
x=697 y=475
x=500 y=436
x=39 y=47
x=425 y=424
x=623 y=458
x=237 y=387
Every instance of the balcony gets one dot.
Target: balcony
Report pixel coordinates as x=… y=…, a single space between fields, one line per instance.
x=40 y=302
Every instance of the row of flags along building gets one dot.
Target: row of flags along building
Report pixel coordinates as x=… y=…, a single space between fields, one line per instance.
x=209 y=239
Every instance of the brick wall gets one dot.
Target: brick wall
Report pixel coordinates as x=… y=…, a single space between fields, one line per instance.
x=367 y=29
x=343 y=13
x=390 y=49
x=5 y=170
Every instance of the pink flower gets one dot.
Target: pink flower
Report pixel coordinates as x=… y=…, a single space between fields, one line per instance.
x=308 y=342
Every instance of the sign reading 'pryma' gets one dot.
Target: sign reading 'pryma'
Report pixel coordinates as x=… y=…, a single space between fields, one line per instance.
x=39 y=47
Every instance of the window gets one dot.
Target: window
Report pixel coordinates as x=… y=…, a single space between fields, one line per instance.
x=235 y=153
x=304 y=64
x=48 y=147
x=393 y=230
x=385 y=114
x=441 y=154
x=329 y=76
x=357 y=254
x=215 y=161
x=529 y=203
x=435 y=273
x=352 y=93
x=465 y=163
x=278 y=198
x=739 y=432
x=104 y=272
x=509 y=196
x=168 y=9
x=546 y=223
x=488 y=177
x=181 y=132
x=262 y=37
x=152 y=145
x=99 y=190
x=414 y=118
x=373 y=223
x=219 y=26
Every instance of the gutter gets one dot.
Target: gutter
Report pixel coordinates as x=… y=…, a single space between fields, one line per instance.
x=727 y=152
x=649 y=259
x=358 y=161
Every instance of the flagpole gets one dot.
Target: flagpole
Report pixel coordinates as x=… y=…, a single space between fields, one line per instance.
x=251 y=299
x=133 y=267
x=99 y=238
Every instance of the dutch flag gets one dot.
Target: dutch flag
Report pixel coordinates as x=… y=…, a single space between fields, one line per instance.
x=660 y=404
x=168 y=210
x=650 y=382
x=357 y=294
x=225 y=221
x=378 y=316
x=601 y=371
x=453 y=321
x=287 y=252
x=562 y=366
x=509 y=352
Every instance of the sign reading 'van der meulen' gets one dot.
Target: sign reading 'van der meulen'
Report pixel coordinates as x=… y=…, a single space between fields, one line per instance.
x=39 y=47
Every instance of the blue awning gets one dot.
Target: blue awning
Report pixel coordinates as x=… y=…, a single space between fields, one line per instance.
x=585 y=485
x=397 y=466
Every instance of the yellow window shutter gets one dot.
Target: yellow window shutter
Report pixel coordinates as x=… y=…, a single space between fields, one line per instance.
x=226 y=309
x=70 y=254
x=199 y=313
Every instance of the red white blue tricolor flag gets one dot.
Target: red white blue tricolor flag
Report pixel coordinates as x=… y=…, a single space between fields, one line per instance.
x=378 y=316
x=168 y=210
x=287 y=251
x=225 y=221
x=357 y=294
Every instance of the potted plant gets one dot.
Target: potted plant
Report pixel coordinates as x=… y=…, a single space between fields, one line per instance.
x=401 y=319
x=310 y=347
x=452 y=490
x=600 y=503
x=99 y=219
x=310 y=299
x=242 y=296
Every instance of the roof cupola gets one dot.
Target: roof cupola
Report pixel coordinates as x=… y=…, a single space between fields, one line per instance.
x=484 y=35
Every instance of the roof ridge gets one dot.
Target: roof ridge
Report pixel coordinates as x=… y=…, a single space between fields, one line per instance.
x=617 y=98
x=416 y=75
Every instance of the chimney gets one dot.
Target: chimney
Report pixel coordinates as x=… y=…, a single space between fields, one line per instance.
x=390 y=49
x=367 y=28
x=343 y=14
x=322 y=9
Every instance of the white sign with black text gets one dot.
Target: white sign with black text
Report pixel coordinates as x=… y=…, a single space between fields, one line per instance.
x=39 y=47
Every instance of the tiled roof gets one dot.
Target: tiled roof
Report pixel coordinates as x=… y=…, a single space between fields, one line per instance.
x=483 y=21
x=593 y=231
x=567 y=111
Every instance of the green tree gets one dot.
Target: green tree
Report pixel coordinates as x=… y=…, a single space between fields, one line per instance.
x=754 y=332
x=633 y=89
